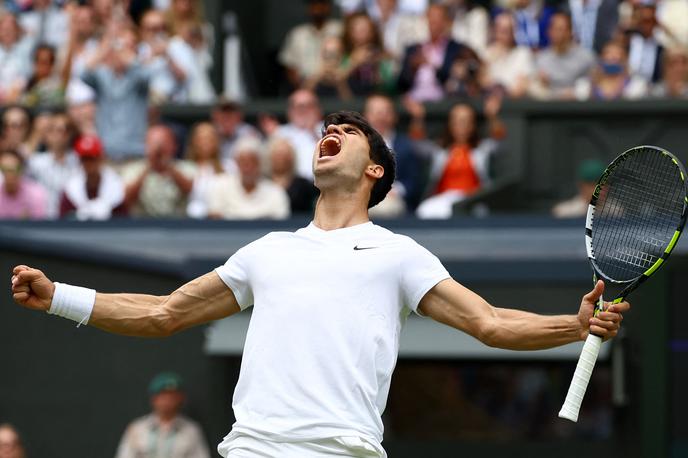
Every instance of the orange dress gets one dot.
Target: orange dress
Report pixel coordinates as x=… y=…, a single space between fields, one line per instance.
x=459 y=173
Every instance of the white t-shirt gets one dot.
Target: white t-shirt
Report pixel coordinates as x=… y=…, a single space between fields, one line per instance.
x=324 y=335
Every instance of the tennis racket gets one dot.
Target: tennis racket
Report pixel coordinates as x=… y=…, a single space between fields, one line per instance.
x=635 y=217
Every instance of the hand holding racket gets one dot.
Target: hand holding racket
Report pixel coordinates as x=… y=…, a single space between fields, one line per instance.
x=635 y=217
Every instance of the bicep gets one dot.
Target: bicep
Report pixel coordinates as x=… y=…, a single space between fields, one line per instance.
x=206 y=298
x=453 y=304
x=199 y=301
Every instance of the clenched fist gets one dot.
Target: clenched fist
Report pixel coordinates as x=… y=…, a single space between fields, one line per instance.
x=31 y=288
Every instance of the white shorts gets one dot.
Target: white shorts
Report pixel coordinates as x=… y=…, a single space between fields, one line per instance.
x=239 y=445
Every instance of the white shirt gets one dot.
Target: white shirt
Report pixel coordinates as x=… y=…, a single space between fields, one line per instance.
x=303 y=141
x=642 y=56
x=328 y=308
x=53 y=175
x=50 y=25
x=228 y=198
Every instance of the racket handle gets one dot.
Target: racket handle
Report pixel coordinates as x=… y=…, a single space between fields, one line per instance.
x=586 y=363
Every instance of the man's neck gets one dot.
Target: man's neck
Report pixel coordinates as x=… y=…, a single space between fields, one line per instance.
x=561 y=48
x=339 y=210
x=59 y=153
x=283 y=179
x=249 y=186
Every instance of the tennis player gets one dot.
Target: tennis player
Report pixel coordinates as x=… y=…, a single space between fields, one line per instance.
x=329 y=302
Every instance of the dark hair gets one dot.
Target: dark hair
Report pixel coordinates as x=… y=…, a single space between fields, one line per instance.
x=565 y=15
x=379 y=152
x=347 y=39
x=448 y=139
x=44 y=47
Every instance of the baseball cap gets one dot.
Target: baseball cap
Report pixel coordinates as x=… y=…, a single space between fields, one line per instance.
x=165 y=381
x=88 y=146
x=590 y=170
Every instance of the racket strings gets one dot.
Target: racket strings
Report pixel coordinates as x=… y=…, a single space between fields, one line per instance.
x=637 y=212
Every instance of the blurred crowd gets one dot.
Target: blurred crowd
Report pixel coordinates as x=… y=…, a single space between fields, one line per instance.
x=81 y=83
x=427 y=51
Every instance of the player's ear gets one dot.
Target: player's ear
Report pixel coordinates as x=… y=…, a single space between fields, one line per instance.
x=375 y=171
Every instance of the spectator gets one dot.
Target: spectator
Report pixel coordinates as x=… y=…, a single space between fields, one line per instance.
x=95 y=191
x=589 y=171
x=165 y=432
x=508 y=64
x=189 y=50
x=426 y=66
x=330 y=79
x=16 y=130
x=610 y=80
x=15 y=55
x=463 y=167
x=20 y=197
x=44 y=87
x=398 y=28
x=11 y=445
x=300 y=53
x=46 y=23
x=121 y=86
x=303 y=130
x=228 y=118
x=81 y=108
x=644 y=52
x=167 y=77
x=594 y=22
x=380 y=113
x=82 y=47
x=53 y=168
x=368 y=69
x=671 y=16
x=204 y=151
x=531 y=21
x=301 y=192
x=248 y=195
x=471 y=24
x=560 y=65
x=158 y=186
x=183 y=12
x=466 y=76
x=675 y=75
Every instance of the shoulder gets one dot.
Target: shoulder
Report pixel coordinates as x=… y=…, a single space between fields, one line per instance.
x=140 y=423
x=39 y=161
x=134 y=168
x=270 y=240
x=186 y=167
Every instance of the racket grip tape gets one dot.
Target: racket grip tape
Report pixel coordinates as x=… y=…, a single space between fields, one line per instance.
x=586 y=363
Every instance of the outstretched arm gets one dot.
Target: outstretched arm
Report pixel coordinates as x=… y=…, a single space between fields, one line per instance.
x=204 y=299
x=455 y=305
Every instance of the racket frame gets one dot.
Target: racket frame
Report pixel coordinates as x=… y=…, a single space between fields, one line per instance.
x=588 y=357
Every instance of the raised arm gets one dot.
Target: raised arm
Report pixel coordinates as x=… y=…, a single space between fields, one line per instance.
x=457 y=306
x=204 y=299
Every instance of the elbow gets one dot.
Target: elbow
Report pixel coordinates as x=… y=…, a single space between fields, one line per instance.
x=166 y=322
x=487 y=331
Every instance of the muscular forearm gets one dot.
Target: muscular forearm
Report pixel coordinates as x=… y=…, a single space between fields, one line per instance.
x=132 y=314
x=519 y=330
x=199 y=301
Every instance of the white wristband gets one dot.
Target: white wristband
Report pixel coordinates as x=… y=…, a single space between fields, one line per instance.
x=73 y=302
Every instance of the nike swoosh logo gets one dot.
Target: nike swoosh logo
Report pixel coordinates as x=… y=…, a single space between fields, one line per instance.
x=357 y=248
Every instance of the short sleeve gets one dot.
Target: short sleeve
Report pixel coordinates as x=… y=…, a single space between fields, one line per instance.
x=420 y=272
x=236 y=275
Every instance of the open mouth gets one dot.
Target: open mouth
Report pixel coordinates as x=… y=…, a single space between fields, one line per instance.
x=331 y=145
